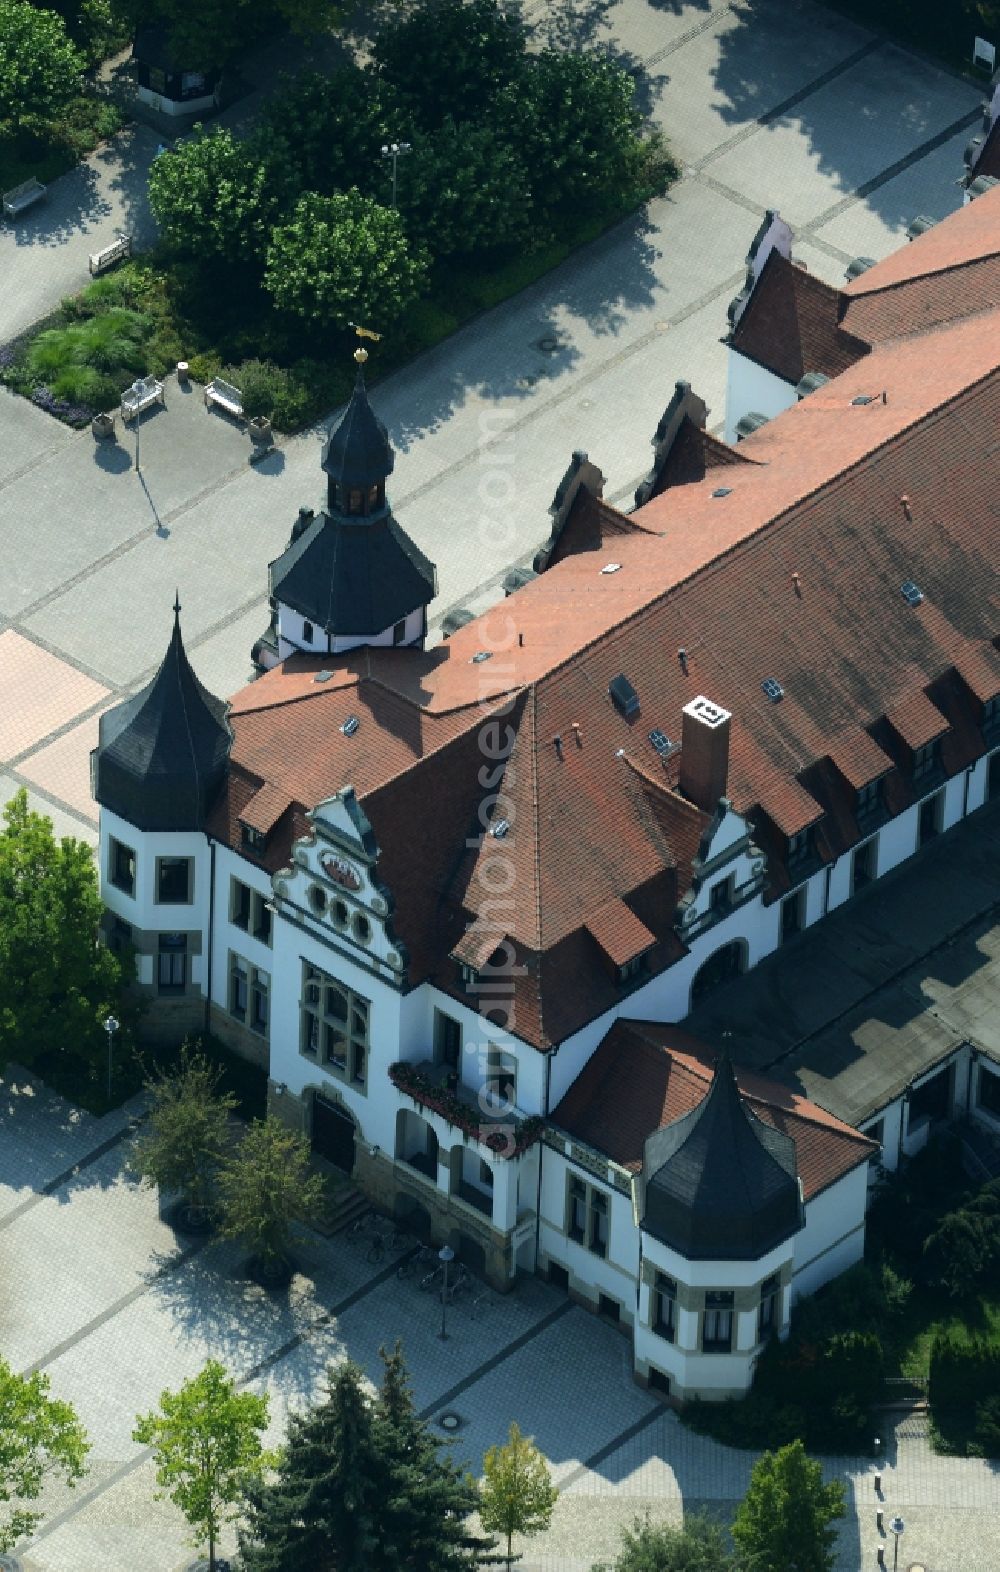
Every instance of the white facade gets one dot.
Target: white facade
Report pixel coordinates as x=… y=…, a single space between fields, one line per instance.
x=752 y=388
x=296 y=633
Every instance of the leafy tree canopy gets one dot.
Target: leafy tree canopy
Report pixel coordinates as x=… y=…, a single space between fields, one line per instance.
x=342 y=259
x=206 y=1444
x=265 y=1188
x=184 y=1141
x=462 y=189
x=213 y=197
x=57 y=983
x=517 y=1494
x=39 y=1436
x=785 y=1521
x=209 y=34
x=573 y=120
x=326 y=132
x=40 y=69
x=698 y=1545
x=448 y=57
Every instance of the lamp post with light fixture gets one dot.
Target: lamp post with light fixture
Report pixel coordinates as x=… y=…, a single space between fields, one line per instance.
x=445 y=1255
x=897 y=1525
x=395 y=150
x=137 y=389
x=110 y=1026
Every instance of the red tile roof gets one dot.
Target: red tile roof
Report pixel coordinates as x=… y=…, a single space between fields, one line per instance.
x=619 y=932
x=795 y=575
x=916 y=719
x=644 y=1076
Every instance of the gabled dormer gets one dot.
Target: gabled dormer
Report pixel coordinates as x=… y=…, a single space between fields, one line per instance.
x=332 y=888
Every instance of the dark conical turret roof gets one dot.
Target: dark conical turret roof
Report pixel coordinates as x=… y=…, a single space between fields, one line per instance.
x=720 y=1184
x=358 y=452
x=162 y=755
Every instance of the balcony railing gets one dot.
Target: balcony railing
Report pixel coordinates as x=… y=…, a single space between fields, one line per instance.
x=506 y=1133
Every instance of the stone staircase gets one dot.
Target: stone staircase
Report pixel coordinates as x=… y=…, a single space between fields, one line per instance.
x=343 y=1202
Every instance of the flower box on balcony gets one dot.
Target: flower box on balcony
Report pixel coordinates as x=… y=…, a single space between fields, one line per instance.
x=458 y=1112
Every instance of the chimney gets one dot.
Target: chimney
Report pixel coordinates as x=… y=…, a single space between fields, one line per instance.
x=704 y=752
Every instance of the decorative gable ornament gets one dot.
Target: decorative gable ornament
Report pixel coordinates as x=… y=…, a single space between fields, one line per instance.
x=339 y=871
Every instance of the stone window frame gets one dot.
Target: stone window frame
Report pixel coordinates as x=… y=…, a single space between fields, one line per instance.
x=663 y=1290
x=925 y=758
x=442 y=1024
x=318 y=1026
x=723 y=1314
x=173 y=952
x=250 y=915
x=158 y=899
x=308 y=631
x=399 y=632
x=769 y=1309
x=114 y=847
x=596 y=1203
x=795 y=902
x=501 y=1075
x=870 y=848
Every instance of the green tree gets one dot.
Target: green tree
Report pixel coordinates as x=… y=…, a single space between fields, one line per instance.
x=517 y=1494
x=462 y=189
x=428 y=1501
x=343 y=259
x=573 y=120
x=785 y=1522
x=58 y=984
x=40 y=69
x=39 y=1436
x=325 y=1507
x=265 y=1188
x=449 y=57
x=325 y=132
x=209 y=34
x=207 y=1449
x=214 y=197
x=184 y=1141
x=698 y=1545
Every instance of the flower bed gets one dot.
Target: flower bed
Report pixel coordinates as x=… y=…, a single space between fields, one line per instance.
x=458 y=1113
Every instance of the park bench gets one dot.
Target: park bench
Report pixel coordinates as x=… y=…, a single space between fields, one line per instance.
x=225 y=395
x=149 y=392
x=20 y=197
x=110 y=254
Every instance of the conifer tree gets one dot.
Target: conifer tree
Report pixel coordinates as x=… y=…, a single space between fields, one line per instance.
x=427 y=1498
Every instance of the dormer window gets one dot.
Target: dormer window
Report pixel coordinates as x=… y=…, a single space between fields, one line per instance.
x=799 y=845
x=991 y=714
x=399 y=632
x=307 y=632
x=632 y=969
x=253 y=840
x=721 y=896
x=869 y=798
x=925 y=759
x=374 y=497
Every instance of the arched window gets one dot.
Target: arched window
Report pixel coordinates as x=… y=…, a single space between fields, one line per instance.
x=354 y=499
x=728 y=962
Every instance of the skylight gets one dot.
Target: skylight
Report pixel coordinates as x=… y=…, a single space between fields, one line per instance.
x=624 y=695
x=722 y=491
x=499 y=829
x=611 y=567
x=350 y=726
x=661 y=742
x=911 y=593
x=480 y=656
x=773 y=689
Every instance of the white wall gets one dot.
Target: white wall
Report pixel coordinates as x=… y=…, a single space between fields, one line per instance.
x=416 y=1042
x=616 y=1273
x=749 y=387
x=226 y=935
x=142 y=909
x=291 y=637
x=834 y=1234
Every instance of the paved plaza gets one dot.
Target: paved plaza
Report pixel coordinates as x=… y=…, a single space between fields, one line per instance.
x=779 y=105
x=136 y=1308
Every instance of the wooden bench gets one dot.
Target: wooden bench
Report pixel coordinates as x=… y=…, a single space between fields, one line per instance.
x=150 y=392
x=225 y=395
x=23 y=196
x=109 y=255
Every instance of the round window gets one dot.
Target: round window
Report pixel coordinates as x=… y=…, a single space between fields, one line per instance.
x=362 y=928
x=340 y=913
x=317 y=899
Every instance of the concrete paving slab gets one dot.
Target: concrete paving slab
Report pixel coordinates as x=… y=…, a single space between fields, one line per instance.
x=873 y=227
x=724 y=79
x=49 y=693
x=880 y=111
x=29 y=435
x=43 y=1137
x=62 y=767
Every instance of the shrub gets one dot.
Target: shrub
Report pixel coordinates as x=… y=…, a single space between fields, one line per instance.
x=987 y=1432
x=449 y=57
x=964 y=1370
x=203 y=368
x=962 y=1249
x=263 y=385
x=896 y=1290
x=40 y=69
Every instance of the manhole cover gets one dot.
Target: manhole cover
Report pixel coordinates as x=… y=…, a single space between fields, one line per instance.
x=549 y=344
x=450 y=1421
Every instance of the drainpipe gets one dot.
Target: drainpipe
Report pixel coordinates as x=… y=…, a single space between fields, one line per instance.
x=211 y=931
x=541 y=1159
x=965 y=792
x=826 y=888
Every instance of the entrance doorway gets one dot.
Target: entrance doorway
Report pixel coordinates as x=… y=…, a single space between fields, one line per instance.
x=720 y=968
x=332 y=1134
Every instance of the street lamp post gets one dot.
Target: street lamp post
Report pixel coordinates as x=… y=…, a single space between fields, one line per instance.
x=110 y=1026
x=395 y=150
x=897 y=1525
x=136 y=389
x=445 y=1255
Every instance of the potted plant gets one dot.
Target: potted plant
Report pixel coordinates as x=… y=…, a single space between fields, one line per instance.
x=259 y=427
x=103 y=427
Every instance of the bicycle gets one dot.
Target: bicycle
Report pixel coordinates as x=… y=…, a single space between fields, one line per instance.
x=376 y=1250
x=421 y=1258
